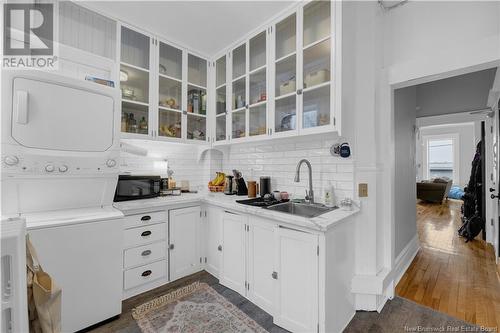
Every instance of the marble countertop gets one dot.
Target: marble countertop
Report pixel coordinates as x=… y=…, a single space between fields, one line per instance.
x=320 y=223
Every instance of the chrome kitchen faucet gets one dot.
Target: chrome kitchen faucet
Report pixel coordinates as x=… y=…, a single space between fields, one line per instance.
x=310 y=194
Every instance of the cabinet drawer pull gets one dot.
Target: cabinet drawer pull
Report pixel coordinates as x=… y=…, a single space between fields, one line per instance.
x=146 y=218
x=219 y=248
x=146 y=253
x=275 y=275
x=171 y=246
x=146 y=233
x=146 y=273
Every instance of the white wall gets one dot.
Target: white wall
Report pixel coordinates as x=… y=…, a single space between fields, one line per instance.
x=425 y=38
x=467 y=141
x=278 y=159
x=405 y=185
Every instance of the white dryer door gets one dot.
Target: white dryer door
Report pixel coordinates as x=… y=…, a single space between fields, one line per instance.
x=51 y=116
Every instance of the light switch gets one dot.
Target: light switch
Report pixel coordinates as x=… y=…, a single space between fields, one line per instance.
x=363 y=190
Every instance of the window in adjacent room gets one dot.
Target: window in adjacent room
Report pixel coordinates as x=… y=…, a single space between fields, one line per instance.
x=440 y=158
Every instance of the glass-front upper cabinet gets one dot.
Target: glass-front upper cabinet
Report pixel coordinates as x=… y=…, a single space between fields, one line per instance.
x=239 y=102
x=220 y=99
x=197 y=98
x=257 y=103
x=285 y=78
x=134 y=81
x=170 y=103
x=316 y=65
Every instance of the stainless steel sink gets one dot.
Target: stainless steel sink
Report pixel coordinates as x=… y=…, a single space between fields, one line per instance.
x=301 y=209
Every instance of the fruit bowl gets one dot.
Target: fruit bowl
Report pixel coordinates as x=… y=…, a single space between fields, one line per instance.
x=216 y=188
x=218 y=183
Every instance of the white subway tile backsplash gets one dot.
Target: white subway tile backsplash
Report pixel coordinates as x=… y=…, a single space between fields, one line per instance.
x=182 y=159
x=275 y=158
x=278 y=159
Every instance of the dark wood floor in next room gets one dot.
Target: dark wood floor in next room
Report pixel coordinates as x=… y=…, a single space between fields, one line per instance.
x=449 y=275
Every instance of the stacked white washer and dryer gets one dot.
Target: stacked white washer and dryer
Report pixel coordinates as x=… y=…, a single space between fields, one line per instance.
x=60 y=151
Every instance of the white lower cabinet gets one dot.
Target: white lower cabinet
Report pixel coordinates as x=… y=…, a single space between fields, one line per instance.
x=144 y=274
x=300 y=277
x=184 y=241
x=213 y=240
x=145 y=264
x=233 y=272
x=261 y=248
x=273 y=266
x=296 y=293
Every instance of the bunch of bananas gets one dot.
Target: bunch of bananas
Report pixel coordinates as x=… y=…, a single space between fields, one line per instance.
x=218 y=180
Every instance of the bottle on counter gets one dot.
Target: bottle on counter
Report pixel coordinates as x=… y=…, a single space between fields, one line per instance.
x=171 y=182
x=329 y=195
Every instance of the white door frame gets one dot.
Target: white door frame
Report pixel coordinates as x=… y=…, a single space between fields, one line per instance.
x=455 y=137
x=492 y=224
x=392 y=79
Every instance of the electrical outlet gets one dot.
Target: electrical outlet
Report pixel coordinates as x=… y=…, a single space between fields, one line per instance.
x=363 y=190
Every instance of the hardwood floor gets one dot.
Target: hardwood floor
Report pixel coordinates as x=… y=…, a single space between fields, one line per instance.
x=449 y=275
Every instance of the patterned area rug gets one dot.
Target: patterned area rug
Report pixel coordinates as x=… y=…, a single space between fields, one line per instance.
x=194 y=308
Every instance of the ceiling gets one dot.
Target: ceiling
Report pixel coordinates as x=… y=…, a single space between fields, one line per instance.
x=204 y=26
x=462 y=93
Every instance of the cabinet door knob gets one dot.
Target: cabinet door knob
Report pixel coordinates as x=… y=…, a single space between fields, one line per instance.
x=147 y=273
x=171 y=247
x=146 y=233
x=275 y=275
x=219 y=248
x=146 y=218
x=146 y=253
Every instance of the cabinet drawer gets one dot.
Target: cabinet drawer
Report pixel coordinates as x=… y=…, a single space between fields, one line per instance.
x=144 y=219
x=144 y=254
x=144 y=235
x=141 y=275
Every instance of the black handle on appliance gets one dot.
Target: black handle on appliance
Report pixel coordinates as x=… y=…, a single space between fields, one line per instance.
x=146 y=218
x=147 y=273
x=146 y=233
x=146 y=253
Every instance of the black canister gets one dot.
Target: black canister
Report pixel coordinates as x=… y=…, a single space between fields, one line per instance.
x=265 y=185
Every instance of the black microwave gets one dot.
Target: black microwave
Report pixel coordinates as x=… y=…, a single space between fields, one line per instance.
x=137 y=187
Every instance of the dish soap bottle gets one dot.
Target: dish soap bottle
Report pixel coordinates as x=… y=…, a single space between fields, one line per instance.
x=329 y=196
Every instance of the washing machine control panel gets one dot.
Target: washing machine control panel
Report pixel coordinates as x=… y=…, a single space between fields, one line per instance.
x=58 y=165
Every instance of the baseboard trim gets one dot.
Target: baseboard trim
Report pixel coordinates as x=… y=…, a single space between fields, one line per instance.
x=404 y=260
x=373 y=291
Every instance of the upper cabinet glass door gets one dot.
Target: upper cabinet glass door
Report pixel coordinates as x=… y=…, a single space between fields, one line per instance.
x=239 y=102
x=285 y=110
x=220 y=99
x=258 y=85
x=170 y=104
x=197 y=98
x=316 y=59
x=134 y=81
